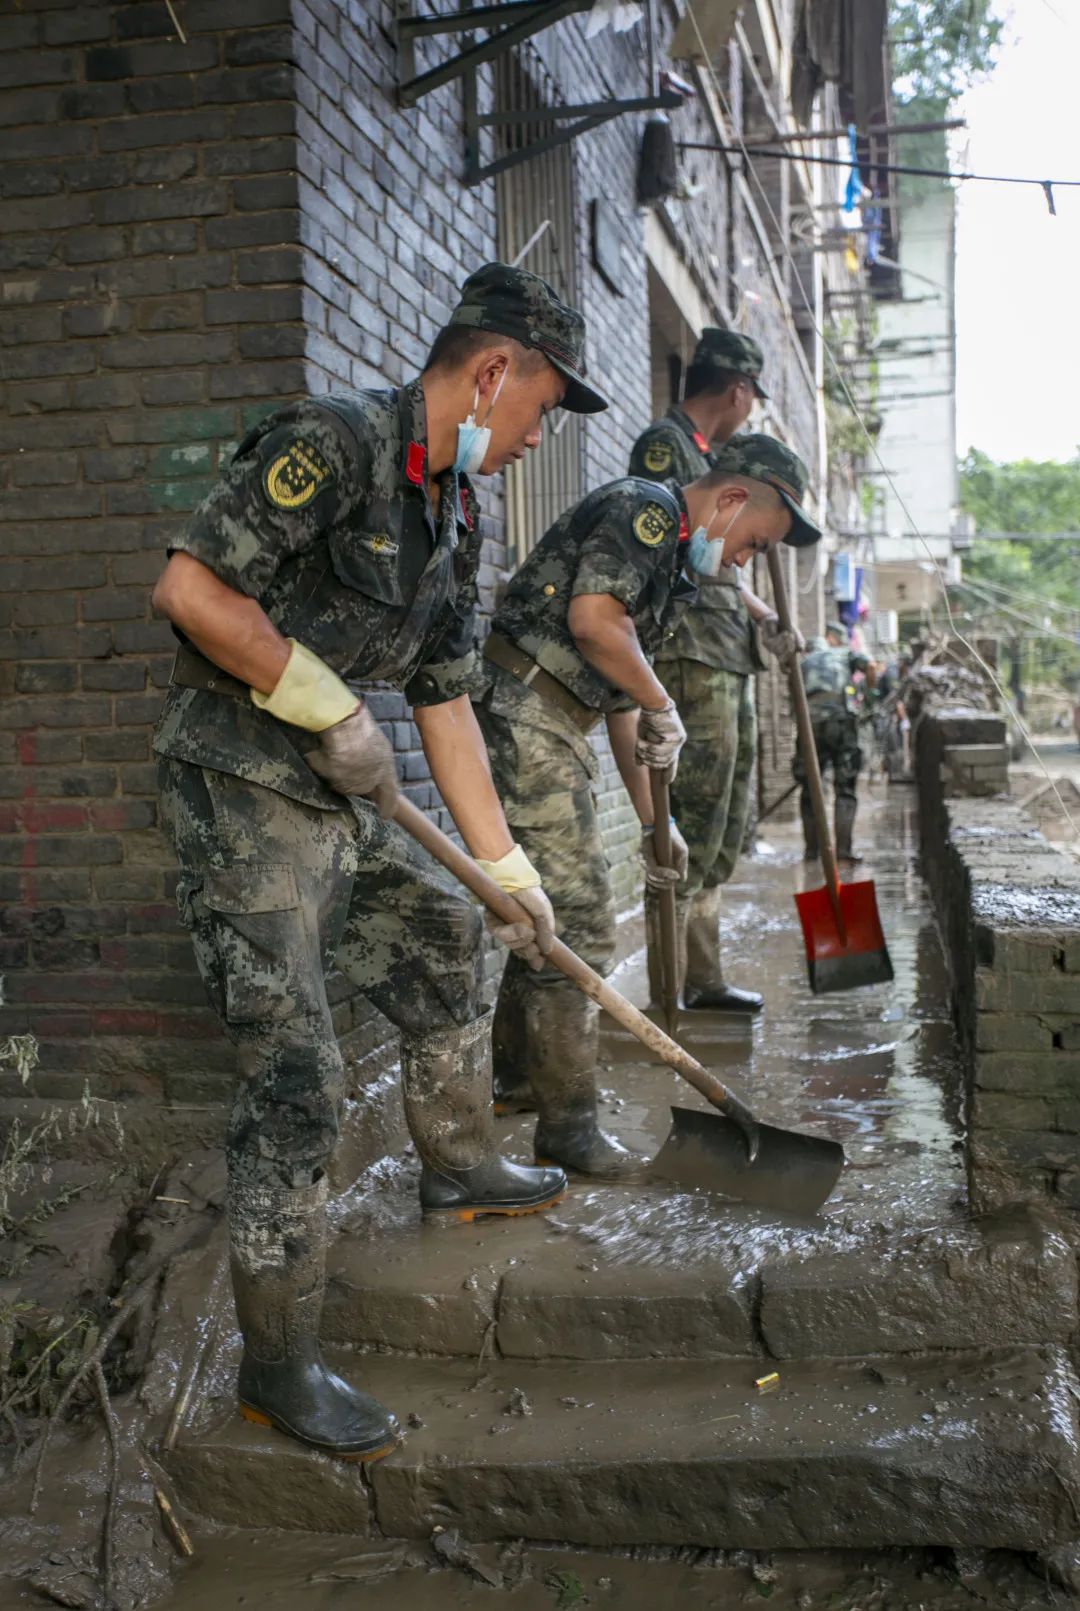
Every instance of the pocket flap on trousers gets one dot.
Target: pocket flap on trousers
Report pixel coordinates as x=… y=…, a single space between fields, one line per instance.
x=250 y=887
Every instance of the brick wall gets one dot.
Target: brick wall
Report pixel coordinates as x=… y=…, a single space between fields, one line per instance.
x=151 y=305
x=1008 y=905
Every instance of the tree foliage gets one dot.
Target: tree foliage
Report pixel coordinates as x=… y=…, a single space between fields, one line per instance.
x=940 y=47
x=1036 y=496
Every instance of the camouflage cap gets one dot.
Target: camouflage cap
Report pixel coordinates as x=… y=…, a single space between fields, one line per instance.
x=516 y=303
x=763 y=458
x=730 y=350
x=837 y=628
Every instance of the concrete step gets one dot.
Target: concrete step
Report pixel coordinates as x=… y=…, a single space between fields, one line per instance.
x=979 y=1452
x=640 y=1273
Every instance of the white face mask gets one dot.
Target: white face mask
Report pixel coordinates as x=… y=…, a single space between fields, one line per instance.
x=706 y=555
x=474 y=440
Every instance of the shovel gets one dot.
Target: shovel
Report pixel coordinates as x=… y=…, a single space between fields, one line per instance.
x=845 y=945
x=735 y=1154
x=660 y=783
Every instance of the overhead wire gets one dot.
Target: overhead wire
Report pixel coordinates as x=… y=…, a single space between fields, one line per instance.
x=797 y=279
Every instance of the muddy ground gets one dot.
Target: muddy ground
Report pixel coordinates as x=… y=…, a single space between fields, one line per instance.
x=878 y=1072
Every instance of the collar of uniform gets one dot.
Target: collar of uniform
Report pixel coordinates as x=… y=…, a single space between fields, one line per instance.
x=688 y=428
x=412 y=414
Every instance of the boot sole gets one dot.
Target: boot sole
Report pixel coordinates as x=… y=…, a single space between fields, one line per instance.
x=354 y=1456
x=467 y=1215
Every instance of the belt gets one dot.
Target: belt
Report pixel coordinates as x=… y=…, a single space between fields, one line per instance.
x=192 y=670
x=501 y=652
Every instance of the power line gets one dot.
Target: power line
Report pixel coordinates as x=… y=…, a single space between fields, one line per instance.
x=1047 y=186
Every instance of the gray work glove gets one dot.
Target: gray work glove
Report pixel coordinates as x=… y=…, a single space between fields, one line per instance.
x=530 y=941
x=656 y=876
x=355 y=757
x=784 y=645
x=660 y=737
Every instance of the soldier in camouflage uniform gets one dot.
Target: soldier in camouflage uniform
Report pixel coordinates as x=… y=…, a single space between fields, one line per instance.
x=344 y=542
x=706 y=663
x=827 y=669
x=570 y=645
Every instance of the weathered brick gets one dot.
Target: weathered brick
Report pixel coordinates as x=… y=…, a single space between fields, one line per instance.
x=148 y=60
x=129 y=134
x=265 y=306
x=164 y=351
x=1011 y=1032
x=196 y=199
x=1052 y=1073
x=18 y=69
x=266 y=83
x=46 y=678
x=1025 y=992
x=174 y=235
x=115 y=676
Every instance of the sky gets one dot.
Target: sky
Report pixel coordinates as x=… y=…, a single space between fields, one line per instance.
x=1018 y=269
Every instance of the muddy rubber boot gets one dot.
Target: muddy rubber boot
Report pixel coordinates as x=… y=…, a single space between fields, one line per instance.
x=277 y=1243
x=811 y=851
x=563 y=1028
x=705 y=985
x=654 y=948
x=446 y=1078
x=509 y=1083
x=844 y=820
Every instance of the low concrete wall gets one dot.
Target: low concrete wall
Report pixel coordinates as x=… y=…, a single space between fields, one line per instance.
x=1009 y=908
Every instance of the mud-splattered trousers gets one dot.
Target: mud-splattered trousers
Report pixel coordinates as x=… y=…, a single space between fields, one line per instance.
x=836 y=739
x=546 y=773
x=275 y=893
x=710 y=797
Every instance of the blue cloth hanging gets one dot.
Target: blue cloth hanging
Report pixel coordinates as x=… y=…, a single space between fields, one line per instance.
x=853 y=192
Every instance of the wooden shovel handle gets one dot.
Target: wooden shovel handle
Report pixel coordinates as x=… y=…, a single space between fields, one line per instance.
x=506 y=908
x=807 y=746
x=660 y=785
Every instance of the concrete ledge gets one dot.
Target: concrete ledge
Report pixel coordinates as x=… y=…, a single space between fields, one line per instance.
x=978 y=1452
x=244 y=1476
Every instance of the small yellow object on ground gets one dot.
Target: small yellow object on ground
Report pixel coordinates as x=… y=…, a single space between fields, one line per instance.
x=768 y=1384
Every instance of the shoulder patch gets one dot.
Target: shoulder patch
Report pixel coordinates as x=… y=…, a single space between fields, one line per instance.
x=658 y=456
x=295 y=476
x=652 y=524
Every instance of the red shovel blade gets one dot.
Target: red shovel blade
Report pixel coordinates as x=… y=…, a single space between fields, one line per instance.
x=859 y=956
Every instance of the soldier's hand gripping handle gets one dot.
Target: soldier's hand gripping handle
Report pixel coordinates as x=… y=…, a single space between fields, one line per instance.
x=353 y=755
x=516 y=874
x=660 y=737
x=783 y=644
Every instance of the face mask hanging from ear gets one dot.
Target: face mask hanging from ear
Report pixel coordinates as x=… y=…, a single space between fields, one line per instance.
x=706 y=555
x=474 y=440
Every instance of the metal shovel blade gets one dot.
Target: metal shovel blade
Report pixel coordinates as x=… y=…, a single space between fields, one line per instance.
x=792 y=1173
x=850 y=960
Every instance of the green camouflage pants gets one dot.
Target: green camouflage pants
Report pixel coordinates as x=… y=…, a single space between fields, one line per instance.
x=545 y=773
x=274 y=894
x=836 y=739
x=710 y=798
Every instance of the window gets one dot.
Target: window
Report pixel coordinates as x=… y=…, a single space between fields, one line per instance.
x=535 y=208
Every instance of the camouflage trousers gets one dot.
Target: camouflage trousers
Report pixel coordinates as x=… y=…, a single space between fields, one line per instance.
x=275 y=893
x=545 y=774
x=836 y=739
x=710 y=798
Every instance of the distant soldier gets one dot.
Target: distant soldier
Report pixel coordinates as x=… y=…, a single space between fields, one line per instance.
x=706 y=663
x=570 y=646
x=828 y=670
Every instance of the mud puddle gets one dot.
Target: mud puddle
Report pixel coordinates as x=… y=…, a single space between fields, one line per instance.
x=236 y=1570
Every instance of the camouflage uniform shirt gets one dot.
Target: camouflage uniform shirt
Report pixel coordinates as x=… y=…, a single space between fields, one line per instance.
x=622 y=539
x=716 y=630
x=827 y=673
x=323 y=517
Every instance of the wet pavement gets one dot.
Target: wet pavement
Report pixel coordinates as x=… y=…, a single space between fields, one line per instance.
x=876 y=1069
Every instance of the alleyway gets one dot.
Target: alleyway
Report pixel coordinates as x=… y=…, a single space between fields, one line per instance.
x=590 y=1375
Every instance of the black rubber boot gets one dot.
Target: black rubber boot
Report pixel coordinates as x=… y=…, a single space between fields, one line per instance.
x=446 y=1077
x=844 y=819
x=563 y=1036
x=705 y=986
x=278 y=1258
x=509 y=1083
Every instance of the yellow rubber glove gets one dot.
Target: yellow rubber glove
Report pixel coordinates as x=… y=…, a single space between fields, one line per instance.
x=516 y=874
x=307 y=694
